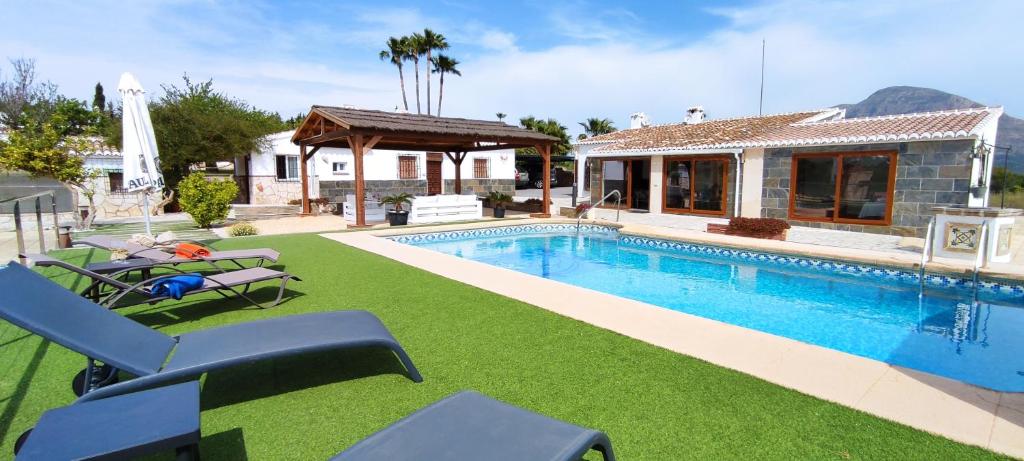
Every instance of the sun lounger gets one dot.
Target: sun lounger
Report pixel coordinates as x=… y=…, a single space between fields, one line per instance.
x=112 y=293
x=35 y=303
x=123 y=427
x=469 y=425
x=158 y=255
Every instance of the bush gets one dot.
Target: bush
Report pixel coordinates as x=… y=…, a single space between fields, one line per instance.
x=243 y=229
x=758 y=227
x=207 y=201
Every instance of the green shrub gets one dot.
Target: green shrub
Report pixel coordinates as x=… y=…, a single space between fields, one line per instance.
x=207 y=201
x=243 y=229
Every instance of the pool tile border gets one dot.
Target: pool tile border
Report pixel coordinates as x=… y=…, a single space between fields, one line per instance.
x=823 y=265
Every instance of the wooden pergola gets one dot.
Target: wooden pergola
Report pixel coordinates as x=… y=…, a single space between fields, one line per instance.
x=362 y=130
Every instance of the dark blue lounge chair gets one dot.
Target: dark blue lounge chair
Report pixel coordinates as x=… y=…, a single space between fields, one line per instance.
x=122 y=427
x=472 y=426
x=33 y=302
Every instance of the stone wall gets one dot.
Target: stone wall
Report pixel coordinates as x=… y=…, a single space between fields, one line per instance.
x=927 y=174
x=268 y=190
x=335 y=190
x=482 y=186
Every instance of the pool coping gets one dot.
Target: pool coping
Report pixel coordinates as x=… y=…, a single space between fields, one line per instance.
x=956 y=410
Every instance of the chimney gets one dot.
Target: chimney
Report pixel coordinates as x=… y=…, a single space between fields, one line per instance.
x=694 y=115
x=639 y=120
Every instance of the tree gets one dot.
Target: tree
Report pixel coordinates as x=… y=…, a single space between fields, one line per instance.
x=501 y=116
x=443 y=65
x=597 y=126
x=99 y=100
x=21 y=93
x=195 y=124
x=549 y=127
x=431 y=41
x=1003 y=179
x=53 y=149
x=414 y=48
x=395 y=54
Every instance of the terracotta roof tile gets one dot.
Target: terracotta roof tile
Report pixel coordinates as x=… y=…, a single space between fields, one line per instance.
x=797 y=130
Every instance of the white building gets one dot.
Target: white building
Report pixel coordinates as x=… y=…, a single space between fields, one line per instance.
x=272 y=174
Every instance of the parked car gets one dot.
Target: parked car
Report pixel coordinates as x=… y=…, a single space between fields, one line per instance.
x=539 y=182
x=522 y=177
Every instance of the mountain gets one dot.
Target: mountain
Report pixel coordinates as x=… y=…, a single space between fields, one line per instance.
x=905 y=99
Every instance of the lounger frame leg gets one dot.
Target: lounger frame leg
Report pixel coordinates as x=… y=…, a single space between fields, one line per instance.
x=188 y=453
x=414 y=373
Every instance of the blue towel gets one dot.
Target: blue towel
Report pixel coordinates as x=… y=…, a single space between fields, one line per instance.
x=176 y=286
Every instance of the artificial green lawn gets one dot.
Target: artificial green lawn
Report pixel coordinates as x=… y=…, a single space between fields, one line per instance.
x=654 y=404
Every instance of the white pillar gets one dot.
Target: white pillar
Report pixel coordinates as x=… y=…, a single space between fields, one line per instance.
x=752 y=182
x=657 y=168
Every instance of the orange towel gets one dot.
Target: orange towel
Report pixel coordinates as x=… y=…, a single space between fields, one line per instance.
x=191 y=251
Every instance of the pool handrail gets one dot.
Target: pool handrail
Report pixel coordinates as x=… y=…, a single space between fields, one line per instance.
x=926 y=251
x=618 y=206
x=980 y=258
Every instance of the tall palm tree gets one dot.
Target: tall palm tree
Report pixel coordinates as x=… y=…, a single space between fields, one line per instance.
x=443 y=65
x=395 y=54
x=413 y=51
x=597 y=126
x=431 y=41
x=501 y=116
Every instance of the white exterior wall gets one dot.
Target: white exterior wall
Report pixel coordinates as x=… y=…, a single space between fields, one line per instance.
x=109 y=204
x=378 y=165
x=978 y=174
x=753 y=180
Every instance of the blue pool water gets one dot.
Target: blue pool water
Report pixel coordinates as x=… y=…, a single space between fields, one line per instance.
x=944 y=332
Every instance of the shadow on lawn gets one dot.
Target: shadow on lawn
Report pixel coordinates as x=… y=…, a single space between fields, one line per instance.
x=229 y=444
x=276 y=377
x=21 y=388
x=166 y=313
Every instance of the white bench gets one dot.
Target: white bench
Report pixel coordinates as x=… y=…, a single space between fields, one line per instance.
x=374 y=210
x=445 y=208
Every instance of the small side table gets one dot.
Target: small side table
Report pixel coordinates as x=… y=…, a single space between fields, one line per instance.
x=121 y=427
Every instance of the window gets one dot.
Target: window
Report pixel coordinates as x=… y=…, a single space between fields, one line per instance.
x=481 y=168
x=696 y=185
x=339 y=168
x=116 y=181
x=408 y=167
x=843 y=187
x=287 y=167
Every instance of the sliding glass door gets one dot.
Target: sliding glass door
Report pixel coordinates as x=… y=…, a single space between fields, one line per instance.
x=614 y=177
x=695 y=185
x=855 y=187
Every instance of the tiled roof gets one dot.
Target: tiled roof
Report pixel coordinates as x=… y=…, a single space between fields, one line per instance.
x=921 y=126
x=790 y=130
x=98 y=148
x=696 y=136
x=427 y=124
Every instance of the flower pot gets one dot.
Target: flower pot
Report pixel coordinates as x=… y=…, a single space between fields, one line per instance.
x=398 y=218
x=499 y=212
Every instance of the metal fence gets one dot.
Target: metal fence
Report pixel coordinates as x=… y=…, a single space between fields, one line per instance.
x=19 y=228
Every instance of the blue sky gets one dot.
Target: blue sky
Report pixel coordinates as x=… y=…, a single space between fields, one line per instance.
x=568 y=60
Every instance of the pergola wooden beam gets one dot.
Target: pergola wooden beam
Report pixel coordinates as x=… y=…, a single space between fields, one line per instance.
x=363 y=130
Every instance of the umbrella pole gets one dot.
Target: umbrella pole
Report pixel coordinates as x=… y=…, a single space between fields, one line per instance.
x=145 y=211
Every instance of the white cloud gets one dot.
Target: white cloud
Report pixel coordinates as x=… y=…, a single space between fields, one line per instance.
x=819 y=54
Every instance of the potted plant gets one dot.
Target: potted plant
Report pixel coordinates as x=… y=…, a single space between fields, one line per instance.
x=397 y=216
x=498 y=200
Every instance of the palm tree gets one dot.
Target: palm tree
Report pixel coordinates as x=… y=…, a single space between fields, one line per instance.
x=442 y=65
x=431 y=41
x=395 y=54
x=413 y=51
x=501 y=116
x=597 y=126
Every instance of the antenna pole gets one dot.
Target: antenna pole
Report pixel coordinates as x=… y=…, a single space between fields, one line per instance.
x=760 y=102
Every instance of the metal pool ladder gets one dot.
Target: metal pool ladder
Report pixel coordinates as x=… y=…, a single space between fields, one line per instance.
x=926 y=252
x=618 y=206
x=980 y=259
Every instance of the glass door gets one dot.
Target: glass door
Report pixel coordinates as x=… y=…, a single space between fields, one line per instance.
x=640 y=184
x=614 y=177
x=696 y=185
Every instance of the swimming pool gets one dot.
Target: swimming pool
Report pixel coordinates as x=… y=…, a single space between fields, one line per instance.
x=870 y=311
